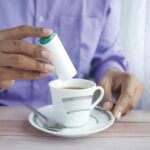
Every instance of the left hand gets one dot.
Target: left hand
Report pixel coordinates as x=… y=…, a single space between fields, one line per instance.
x=126 y=86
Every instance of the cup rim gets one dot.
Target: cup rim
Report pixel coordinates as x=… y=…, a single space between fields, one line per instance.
x=51 y=84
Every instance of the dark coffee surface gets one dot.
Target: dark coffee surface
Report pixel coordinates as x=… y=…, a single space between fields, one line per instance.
x=73 y=88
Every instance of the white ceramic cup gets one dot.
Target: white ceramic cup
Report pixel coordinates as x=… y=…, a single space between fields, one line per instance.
x=72 y=107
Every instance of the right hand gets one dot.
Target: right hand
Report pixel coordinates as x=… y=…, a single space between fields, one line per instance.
x=20 y=59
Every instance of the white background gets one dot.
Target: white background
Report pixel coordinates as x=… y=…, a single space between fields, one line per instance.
x=135 y=30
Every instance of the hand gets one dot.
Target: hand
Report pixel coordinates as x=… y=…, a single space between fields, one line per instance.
x=126 y=86
x=20 y=59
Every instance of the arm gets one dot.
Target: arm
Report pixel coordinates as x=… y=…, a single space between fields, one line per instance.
x=109 y=56
x=109 y=53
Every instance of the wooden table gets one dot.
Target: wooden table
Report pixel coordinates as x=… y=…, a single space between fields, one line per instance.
x=131 y=133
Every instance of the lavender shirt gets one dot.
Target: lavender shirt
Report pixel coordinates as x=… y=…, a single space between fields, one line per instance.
x=89 y=30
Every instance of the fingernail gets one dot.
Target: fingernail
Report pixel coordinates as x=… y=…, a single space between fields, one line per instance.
x=47 y=31
x=118 y=115
x=49 y=68
x=47 y=55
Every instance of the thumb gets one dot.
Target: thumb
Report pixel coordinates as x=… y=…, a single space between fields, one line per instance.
x=106 y=83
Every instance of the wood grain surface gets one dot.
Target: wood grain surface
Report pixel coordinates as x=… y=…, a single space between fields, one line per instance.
x=132 y=132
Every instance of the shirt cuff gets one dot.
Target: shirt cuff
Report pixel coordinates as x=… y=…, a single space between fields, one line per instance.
x=105 y=67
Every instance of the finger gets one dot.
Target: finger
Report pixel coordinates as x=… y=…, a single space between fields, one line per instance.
x=23 y=32
x=24 y=62
x=116 y=84
x=107 y=102
x=137 y=95
x=17 y=74
x=125 y=99
x=22 y=47
x=5 y=84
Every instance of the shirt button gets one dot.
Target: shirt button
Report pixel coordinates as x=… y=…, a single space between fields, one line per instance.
x=41 y=19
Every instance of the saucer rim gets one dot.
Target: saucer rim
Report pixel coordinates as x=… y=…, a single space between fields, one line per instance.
x=56 y=133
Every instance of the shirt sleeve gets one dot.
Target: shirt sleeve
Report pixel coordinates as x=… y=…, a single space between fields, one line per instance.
x=109 y=53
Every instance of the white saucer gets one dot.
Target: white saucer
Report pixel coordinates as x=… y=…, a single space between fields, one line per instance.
x=99 y=121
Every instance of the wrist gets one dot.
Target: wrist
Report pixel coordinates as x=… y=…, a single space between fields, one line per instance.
x=113 y=70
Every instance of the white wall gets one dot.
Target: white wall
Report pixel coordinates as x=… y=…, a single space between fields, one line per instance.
x=135 y=29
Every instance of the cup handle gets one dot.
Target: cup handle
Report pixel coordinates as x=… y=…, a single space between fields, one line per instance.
x=98 y=94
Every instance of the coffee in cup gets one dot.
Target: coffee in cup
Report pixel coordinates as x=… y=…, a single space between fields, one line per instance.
x=73 y=88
